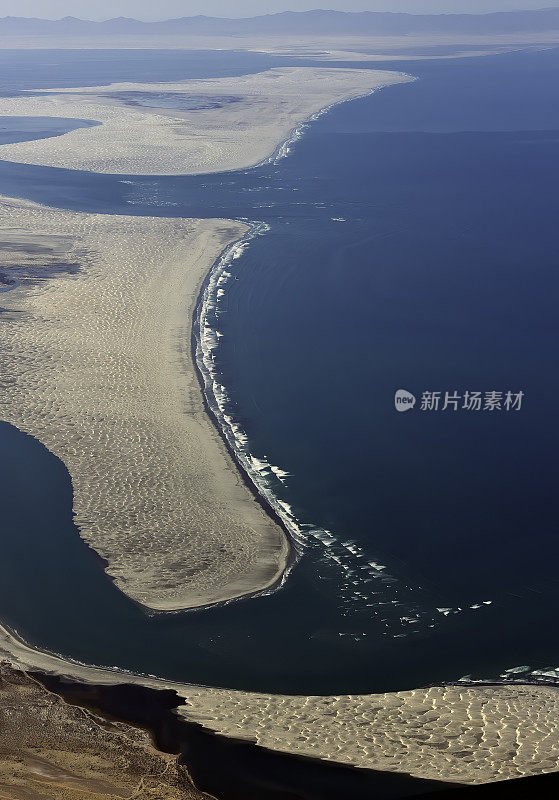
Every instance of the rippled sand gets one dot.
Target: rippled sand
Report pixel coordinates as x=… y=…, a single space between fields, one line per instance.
x=454 y=733
x=142 y=141
x=464 y=734
x=96 y=364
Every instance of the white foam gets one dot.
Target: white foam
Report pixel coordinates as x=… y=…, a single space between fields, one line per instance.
x=546 y=673
x=516 y=670
x=261 y=472
x=266 y=477
x=284 y=149
x=286 y=507
x=280 y=474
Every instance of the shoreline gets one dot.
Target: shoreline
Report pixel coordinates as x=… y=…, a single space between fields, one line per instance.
x=214 y=401
x=324 y=726
x=243 y=765
x=24 y=655
x=266 y=499
x=272 y=510
x=263 y=493
x=248 y=479
x=282 y=150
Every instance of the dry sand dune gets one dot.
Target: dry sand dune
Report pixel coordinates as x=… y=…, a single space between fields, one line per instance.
x=96 y=363
x=146 y=141
x=464 y=734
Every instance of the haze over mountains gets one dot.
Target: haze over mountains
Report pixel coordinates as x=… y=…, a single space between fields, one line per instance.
x=317 y=22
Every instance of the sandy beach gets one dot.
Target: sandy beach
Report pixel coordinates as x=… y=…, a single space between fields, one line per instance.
x=146 y=141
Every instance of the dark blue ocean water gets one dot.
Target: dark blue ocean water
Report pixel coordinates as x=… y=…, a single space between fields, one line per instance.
x=413 y=244
x=46 y=69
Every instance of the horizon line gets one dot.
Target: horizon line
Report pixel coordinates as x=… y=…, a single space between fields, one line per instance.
x=70 y=17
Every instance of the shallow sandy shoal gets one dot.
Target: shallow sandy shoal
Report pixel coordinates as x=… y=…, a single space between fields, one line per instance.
x=309 y=46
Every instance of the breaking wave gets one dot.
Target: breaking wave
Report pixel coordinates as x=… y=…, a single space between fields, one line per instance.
x=365 y=584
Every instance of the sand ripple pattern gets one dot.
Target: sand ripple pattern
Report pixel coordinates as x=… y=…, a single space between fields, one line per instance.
x=96 y=364
x=466 y=734
x=142 y=141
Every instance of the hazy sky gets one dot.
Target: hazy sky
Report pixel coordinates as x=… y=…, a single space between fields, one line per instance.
x=163 y=9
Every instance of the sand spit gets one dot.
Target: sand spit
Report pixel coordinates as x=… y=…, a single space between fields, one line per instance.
x=157 y=141
x=464 y=734
x=96 y=364
x=322 y=48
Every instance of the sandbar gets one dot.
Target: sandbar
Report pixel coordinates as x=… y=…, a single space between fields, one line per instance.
x=98 y=363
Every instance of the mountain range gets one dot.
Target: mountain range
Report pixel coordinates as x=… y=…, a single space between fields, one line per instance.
x=317 y=22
